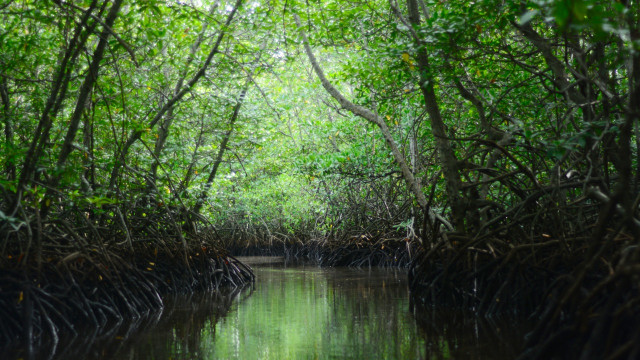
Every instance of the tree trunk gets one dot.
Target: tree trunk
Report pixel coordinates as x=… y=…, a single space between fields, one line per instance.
x=412 y=183
x=83 y=99
x=136 y=134
x=448 y=160
x=88 y=144
x=163 y=129
x=223 y=146
x=54 y=101
x=9 y=166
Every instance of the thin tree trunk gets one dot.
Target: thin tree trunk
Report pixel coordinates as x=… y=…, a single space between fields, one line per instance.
x=88 y=160
x=87 y=85
x=55 y=99
x=9 y=166
x=83 y=98
x=184 y=184
x=370 y=116
x=448 y=160
x=136 y=134
x=163 y=129
x=223 y=146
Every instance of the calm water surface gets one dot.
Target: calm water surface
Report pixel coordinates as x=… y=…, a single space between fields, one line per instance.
x=298 y=312
x=321 y=313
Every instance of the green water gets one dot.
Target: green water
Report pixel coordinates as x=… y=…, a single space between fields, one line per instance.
x=312 y=313
x=299 y=313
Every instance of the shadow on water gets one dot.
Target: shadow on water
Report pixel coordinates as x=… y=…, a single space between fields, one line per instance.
x=452 y=334
x=176 y=332
x=301 y=312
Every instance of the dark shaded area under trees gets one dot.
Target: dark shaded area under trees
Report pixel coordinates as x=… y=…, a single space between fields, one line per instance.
x=543 y=213
x=492 y=148
x=89 y=234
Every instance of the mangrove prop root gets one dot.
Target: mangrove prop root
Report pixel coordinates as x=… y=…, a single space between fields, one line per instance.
x=46 y=302
x=580 y=286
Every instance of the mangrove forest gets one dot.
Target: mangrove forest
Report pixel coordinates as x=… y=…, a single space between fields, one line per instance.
x=484 y=153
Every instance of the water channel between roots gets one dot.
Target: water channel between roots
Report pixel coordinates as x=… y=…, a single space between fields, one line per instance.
x=306 y=312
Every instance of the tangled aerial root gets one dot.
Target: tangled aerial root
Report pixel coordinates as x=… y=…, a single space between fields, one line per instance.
x=582 y=290
x=40 y=302
x=360 y=251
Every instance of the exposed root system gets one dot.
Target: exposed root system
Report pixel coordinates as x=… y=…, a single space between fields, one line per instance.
x=98 y=290
x=578 y=284
x=115 y=338
x=360 y=252
x=54 y=276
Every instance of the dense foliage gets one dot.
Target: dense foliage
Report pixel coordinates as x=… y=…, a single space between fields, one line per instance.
x=494 y=143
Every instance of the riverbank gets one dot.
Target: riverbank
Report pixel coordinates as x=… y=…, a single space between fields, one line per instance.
x=580 y=293
x=42 y=302
x=359 y=251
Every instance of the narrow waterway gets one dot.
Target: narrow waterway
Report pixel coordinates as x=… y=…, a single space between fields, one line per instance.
x=321 y=313
x=303 y=312
x=307 y=312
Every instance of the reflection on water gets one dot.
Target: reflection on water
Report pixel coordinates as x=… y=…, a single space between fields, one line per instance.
x=312 y=313
x=456 y=335
x=303 y=313
x=173 y=333
x=186 y=326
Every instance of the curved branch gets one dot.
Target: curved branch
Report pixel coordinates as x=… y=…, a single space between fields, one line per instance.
x=370 y=116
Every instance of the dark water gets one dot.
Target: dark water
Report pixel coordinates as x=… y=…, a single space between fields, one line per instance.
x=304 y=313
